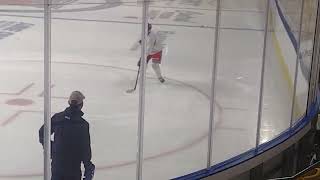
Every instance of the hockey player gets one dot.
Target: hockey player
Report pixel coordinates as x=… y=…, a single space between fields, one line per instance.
x=154 y=52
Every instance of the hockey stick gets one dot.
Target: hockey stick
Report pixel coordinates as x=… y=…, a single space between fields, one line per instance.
x=135 y=85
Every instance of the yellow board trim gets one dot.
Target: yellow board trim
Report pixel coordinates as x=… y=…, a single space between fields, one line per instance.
x=285 y=72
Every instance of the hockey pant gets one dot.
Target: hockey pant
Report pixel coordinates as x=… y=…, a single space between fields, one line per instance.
x=156 y=61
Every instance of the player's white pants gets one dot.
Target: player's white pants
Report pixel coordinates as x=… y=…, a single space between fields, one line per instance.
x=156 y=68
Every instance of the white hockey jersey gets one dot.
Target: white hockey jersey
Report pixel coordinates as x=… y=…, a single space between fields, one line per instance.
x=153 y=43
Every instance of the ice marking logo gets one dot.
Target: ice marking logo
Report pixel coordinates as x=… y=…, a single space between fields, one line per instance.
x=20 y=104
x=56 y=4
x=177 y=15
x=9 y=28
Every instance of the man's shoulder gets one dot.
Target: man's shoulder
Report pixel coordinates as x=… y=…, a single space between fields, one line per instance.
x=58 y=116
x=84 y=122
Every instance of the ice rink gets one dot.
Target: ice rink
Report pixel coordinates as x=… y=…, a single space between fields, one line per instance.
x=93 y=50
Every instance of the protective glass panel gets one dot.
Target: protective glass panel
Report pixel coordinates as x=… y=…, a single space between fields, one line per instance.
x=282 y=47
x=278 y=77
x=21 y=76
x=93 y=51
x=238 y=79
x=305 y=57
x=178 y=88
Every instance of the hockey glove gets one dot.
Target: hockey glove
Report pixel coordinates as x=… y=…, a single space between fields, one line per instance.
x=139 y=62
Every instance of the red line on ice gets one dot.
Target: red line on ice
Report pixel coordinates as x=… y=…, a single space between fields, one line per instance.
x=42 y=93
x=11 y=118
x=21 y=91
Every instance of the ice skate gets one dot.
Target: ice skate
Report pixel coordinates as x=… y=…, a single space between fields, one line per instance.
x=161 y=79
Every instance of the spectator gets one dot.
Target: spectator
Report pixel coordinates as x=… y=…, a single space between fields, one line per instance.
x=70 y=145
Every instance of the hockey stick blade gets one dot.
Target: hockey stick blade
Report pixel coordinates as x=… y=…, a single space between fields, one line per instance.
x=130 y=90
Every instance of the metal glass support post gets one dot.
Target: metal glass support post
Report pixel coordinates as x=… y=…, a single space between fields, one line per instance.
x=142 y=89
x=266 y=27
x=47 y=89
x=213 y=84
x=297 y=66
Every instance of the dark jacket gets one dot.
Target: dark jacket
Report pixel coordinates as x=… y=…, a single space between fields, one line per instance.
x=71 y=143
